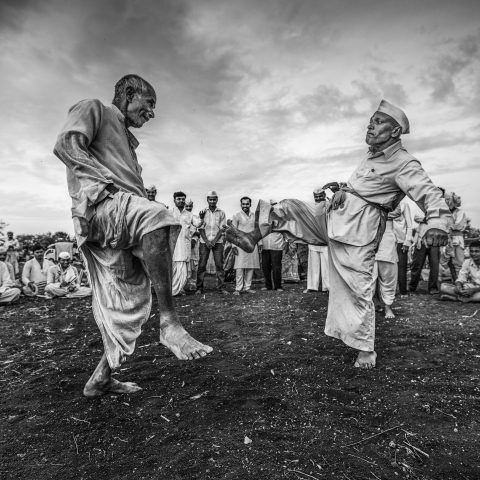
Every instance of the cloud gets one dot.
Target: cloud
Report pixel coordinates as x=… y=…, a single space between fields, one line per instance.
x=450 y=78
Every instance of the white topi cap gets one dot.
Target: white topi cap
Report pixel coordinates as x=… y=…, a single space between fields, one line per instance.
x=212 y=193
x=396 y=113
x=318 y=190
x=64 y=256
x=151 y=187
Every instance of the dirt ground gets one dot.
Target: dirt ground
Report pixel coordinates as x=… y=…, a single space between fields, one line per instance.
x=277 y=399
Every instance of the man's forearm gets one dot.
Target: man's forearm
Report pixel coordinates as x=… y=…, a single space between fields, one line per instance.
x=71 y=148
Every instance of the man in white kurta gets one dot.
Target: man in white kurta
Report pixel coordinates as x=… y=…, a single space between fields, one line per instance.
x=126 y=239
x=403 y=230
x=63 y=280
x=8 y=291
x=453 y=255
x=245 y=262
x=318 y=256
x=34 y=273
x=467 y=284
x=13 y=246
x=183 y=247
x=356 y=222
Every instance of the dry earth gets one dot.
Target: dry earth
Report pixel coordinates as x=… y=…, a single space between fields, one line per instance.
x=277 y=400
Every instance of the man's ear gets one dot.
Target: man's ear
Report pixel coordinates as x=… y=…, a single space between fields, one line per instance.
x=396 y=132
x=129 y=93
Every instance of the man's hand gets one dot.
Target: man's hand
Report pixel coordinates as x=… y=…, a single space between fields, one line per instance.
x=260 y=248
x=405 y=248
x=209 y=245
x=31 y=285
x=468 y=291
x=435 y=238
x=71 y=288
x=202 y=213
x=235 y=250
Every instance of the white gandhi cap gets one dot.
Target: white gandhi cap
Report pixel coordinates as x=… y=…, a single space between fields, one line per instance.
x=396 y=113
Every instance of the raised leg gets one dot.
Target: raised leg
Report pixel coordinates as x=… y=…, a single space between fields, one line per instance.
x=158 y=260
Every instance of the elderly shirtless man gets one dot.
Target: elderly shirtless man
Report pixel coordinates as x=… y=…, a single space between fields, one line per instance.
x=354 y=226
x=126 y=239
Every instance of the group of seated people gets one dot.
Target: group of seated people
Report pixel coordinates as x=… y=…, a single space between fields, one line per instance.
x=41 y=277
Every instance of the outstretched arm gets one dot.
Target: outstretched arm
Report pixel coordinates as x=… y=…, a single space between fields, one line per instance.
x=414 y=181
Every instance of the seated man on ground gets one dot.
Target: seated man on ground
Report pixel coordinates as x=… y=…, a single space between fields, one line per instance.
x=34 y=274
x=63 y=280
x=8 y=292
x=467 y=285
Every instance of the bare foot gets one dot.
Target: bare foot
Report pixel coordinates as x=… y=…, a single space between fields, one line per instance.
x=366 y=360
x=448 y=297
x=239 y=238
x=389 y=312
x=181 y=343
x=98 y=388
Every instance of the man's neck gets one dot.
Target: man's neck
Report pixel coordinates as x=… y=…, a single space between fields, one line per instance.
x=246 y=212
x=383 y=146
x=212 y=209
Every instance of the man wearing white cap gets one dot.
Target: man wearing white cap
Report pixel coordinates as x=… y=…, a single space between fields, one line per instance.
x=211 y=240
x=318 y=255
x=151 y=191
x=127 y=240
x=356 y=222
x=63 y=280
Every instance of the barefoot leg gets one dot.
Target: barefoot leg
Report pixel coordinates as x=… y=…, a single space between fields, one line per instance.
x=389 y=312
x=101 y=382
x=157 y=253
x=366 y=360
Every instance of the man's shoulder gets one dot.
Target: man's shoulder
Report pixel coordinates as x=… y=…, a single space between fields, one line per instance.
x=88 y=104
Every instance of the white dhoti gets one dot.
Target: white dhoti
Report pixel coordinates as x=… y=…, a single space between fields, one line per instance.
x=121 y=291
x=351 y=313
x=179 y=276
x=386 y=266
x=55 y=290
x=9 y=295
x=299 y=221
x=385 y=275
x=317 y=268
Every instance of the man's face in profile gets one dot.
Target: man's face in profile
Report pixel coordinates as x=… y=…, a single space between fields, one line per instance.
x=140 y=109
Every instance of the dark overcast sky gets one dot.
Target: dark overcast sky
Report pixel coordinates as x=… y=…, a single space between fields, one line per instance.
x=264 y=98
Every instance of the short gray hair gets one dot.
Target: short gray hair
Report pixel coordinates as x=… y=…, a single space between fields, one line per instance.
x=138 y=84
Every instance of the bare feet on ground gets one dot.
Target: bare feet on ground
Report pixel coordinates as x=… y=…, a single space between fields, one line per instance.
x=181 y=343
x=366 y=360
x=98 y=387
x=241 y=239
x=389 y=312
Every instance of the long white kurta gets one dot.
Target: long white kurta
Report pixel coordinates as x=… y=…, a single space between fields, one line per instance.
x=382 y=178
x=183 y=248
x=246 y=223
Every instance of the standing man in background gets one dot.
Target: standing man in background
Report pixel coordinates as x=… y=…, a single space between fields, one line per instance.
x=318 y=255
x=211 y=240
x=245 y=262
